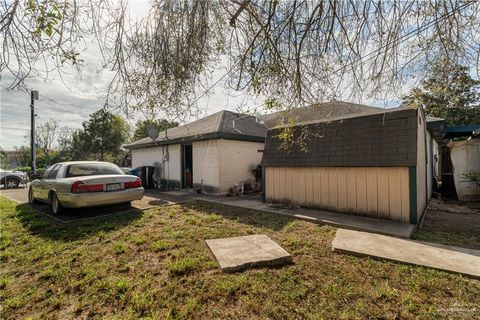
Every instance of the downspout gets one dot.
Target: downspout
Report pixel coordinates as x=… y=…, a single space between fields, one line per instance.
x=167 y=165
x=426 y=163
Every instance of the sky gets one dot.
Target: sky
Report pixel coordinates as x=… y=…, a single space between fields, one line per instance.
x=72 y=97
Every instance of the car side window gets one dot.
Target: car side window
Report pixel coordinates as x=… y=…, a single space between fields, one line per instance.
x=53 y=173
x=47 y=173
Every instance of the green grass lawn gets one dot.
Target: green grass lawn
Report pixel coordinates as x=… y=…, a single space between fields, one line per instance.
x=155 y=264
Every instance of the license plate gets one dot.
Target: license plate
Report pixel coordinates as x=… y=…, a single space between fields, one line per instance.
x=113 y=186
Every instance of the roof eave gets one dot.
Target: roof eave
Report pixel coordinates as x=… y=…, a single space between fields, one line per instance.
x=202 y=137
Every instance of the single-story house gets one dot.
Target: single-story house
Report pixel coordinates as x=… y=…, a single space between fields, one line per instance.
x=221 y=150
x=214 y=153
x=377 y=164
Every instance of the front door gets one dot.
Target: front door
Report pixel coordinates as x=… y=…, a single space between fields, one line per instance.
x=187 y=168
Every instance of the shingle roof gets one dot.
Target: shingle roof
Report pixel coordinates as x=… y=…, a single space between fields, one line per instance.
x=367 y=140
x=221 y=125
x=315 y=112
x=230 y=125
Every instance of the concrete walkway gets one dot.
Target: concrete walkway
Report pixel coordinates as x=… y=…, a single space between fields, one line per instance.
x=433 y=255
x=336 y=219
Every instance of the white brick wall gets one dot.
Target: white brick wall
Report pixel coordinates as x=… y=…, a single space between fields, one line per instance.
x=206 y=163
x=148 y=157
x=237 y=160
x=219 y=163
x=174 y=163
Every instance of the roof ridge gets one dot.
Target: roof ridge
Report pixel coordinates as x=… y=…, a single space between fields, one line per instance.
x=214 y=125
x=220 y=122
x=343 y=117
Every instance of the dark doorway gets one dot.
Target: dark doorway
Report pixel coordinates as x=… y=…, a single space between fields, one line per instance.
x=187 y=168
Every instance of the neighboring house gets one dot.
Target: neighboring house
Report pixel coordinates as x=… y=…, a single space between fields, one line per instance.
x=214 y=153
x=377 y=164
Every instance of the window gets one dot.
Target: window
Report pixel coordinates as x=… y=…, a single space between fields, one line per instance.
x=53 y=173
x=47 y=172
x=92 y=169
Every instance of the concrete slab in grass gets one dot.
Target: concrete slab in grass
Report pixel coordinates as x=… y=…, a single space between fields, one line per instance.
x=433 y=255
x=237 y=253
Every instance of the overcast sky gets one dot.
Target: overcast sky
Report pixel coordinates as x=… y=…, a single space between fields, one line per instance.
x=70 y=98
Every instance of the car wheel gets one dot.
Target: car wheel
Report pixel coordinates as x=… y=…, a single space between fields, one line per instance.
x=10 y=183
x=31 y=197
x=56 y=206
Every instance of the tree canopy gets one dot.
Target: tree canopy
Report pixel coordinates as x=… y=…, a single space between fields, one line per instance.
x=3 y=158
x=141 y=127
x=450 y=93
x=101 y=138
x=292 y=52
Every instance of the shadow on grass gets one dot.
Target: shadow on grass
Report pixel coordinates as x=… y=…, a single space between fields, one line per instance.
x=465 y=239
x=39 y=224
x=255 y=218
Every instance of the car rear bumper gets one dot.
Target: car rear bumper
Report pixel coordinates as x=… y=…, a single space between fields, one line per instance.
x=81 y=200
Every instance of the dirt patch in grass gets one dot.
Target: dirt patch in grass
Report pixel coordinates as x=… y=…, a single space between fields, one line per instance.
x=155 y=264
x=452 y=221
x=455 y=227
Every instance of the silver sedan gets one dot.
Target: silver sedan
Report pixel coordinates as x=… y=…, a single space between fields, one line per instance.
x=81 y=184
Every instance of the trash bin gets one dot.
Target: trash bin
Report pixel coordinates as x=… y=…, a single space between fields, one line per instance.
x=146 y=174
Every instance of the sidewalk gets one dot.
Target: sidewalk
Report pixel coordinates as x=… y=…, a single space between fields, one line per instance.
x=340 y=220
x=433 y=255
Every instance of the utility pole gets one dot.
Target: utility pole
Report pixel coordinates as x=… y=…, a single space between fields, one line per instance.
x=33 y=97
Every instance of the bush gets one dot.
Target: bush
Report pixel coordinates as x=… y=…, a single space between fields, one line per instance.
x=473 y=176
x=24 y=168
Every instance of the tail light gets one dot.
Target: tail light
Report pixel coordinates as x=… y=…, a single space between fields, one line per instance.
x=80 y=186
x=133 y=184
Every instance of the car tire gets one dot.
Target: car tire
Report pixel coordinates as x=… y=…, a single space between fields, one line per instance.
x=56 y=205
x=31 y=197
x=10 y=183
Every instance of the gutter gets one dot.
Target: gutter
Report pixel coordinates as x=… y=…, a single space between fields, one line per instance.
x=208 y=136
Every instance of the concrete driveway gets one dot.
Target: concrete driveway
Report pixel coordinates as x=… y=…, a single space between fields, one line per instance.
x=20 y=195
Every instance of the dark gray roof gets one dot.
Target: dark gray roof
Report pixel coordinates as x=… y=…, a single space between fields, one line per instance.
x=316 y=112
x=221 y=125
x=387 y=138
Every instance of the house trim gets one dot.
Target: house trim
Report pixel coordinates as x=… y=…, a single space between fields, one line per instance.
x=202 y=137
x=412 y=173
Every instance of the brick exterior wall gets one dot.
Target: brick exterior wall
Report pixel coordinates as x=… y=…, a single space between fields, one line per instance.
x=237 y=160
x=217 y=164
x=206 y=165
x=150 y=156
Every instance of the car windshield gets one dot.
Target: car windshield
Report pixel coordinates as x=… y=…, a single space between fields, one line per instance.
x=91 y=169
